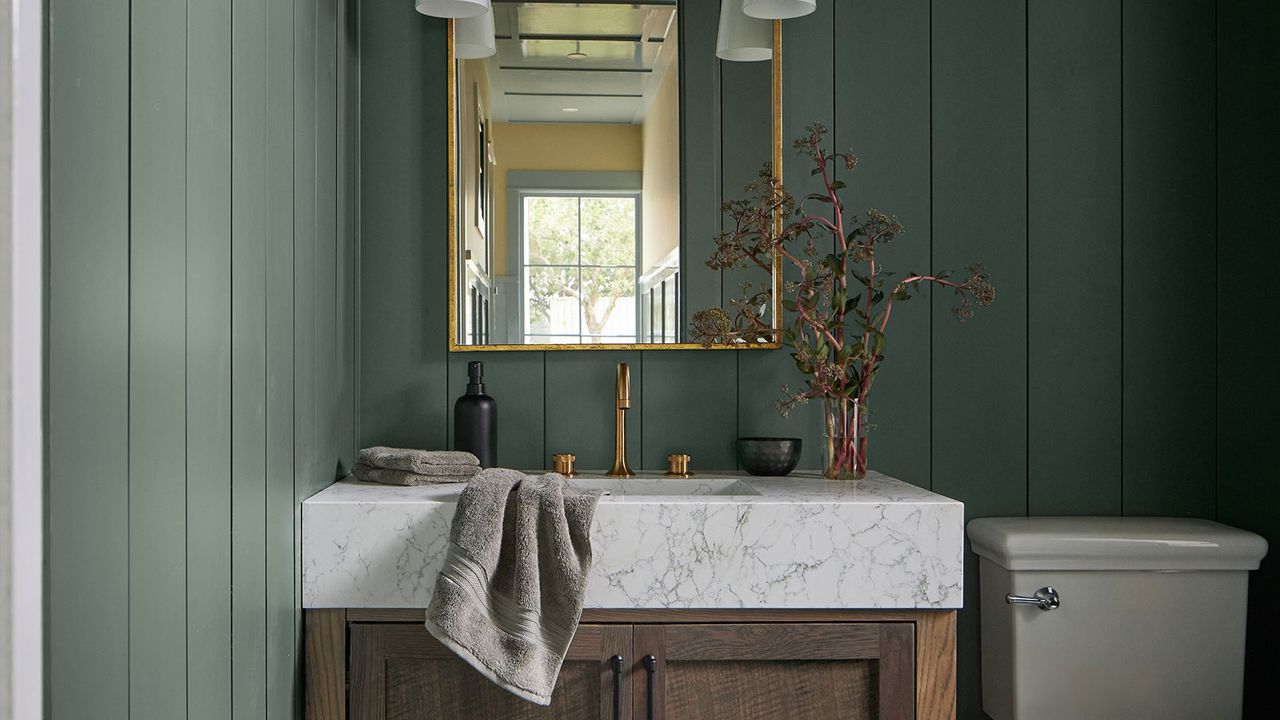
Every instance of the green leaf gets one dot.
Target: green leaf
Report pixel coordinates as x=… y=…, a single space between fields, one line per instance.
x=789 y=304
x=838 y=185
x=877 y=342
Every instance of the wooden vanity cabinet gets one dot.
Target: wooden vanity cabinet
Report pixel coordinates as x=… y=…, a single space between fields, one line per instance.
x=675 y=665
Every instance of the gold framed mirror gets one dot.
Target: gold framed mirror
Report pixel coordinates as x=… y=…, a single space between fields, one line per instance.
x=567 y=205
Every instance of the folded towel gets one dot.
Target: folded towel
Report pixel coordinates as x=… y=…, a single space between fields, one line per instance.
x=416 y=461
x=436 y=474
x=510 y=594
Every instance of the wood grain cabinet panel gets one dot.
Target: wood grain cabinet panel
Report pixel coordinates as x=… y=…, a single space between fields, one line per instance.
x=675 y=665
x=400 y=672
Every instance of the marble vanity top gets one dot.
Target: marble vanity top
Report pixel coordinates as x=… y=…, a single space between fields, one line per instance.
x=717 y=540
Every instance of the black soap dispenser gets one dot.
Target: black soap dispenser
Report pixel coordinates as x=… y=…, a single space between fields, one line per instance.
x=475 y=419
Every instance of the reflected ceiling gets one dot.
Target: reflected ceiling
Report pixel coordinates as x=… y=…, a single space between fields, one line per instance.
x=579 y=62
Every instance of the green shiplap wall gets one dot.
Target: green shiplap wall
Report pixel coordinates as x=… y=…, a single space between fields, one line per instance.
x=1068 y=146
x=1248 y=112
x=201 y=380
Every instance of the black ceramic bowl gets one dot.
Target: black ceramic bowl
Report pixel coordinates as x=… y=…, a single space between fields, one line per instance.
x=768 y=455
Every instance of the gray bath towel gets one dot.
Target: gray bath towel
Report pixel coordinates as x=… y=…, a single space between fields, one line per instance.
x=416 y=461
x=433 y=475
x=509 y=596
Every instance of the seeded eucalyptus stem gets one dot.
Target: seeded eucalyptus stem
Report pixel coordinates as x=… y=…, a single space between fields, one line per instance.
x=837 y=341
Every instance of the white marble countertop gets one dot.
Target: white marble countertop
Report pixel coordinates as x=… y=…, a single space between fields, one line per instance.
x=718 y=540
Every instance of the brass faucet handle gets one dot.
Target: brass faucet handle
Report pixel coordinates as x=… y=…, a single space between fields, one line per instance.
x=678 y=465
x=563 y=464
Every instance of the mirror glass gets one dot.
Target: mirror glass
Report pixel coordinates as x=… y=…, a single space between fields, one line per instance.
x=567 y=175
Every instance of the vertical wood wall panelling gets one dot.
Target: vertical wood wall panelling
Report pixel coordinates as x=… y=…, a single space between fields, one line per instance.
x=1074 y=264
x=979 y=368
x=882 y=114
x=310 y=471
x=347 y=114
x=157 y=361
x=517 y=383
x=807 y=83
x=1248 y=192
x=281 y=656
x=249 y=231
x=746 y=129
x=208 y=333
x=580 y=409
x=88 y=379
x=327 y=203
x=403 y=204
x=685 y=407
x=700 y=176
x=1169 y=226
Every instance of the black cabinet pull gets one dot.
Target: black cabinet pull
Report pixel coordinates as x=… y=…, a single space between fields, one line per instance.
x=617 y=686
x=650 y=667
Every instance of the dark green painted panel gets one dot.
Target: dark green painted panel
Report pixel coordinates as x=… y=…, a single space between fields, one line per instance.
x=979 y=414
x=281 y=643
x=700 y=156
x=347 y=112
x=208 y=359
x=157 y=363
x=807 y=77
x=1074 y=258
x=249 y=231
x=746 y=97
x=882 y=113
x=580 y=408
x=517 y=382
x=403 y=266
x=1169 y=160
x=88 y=371
x=686 y=398
x=1248 y=387
x=310 y=469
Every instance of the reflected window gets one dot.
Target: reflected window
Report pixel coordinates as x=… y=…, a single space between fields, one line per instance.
x=579 y=261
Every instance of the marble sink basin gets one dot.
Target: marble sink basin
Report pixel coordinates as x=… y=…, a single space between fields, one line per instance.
x=716 y=540
x=664 y=487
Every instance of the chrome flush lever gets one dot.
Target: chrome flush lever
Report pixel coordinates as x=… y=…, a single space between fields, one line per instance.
x=1046 y=598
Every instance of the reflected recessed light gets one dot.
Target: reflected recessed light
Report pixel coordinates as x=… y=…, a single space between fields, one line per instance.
x=569 y=109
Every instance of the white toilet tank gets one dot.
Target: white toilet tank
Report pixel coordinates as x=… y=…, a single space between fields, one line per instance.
x=1149 y=623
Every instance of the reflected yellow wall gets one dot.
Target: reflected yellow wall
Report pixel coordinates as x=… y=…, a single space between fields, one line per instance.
x=600 y=148
x=660 y=197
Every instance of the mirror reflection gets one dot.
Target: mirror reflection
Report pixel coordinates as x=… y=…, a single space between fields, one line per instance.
x=567 y=174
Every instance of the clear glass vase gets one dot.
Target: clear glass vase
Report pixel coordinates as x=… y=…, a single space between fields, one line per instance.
x=845 y=453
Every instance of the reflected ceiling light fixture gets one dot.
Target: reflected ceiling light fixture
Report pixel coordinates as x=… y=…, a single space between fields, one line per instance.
x=452 y=8
x=473 y=37
x=741 y=38
x=577 y=53
x=778 y=9
x=569 y=109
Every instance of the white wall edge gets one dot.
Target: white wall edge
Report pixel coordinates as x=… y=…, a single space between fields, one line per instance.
x=27 y=361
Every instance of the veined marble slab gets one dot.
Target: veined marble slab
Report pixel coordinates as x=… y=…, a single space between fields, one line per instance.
x=799 y=542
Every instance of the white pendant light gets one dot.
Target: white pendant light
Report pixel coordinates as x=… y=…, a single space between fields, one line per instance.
x=452 y=8
x=473 y=37
x=741 y=38
x=778 y=9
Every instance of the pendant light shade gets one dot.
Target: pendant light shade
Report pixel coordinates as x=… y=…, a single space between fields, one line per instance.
x=473 y=37
x=452 y=8
x=742 y=38
x=778 y=9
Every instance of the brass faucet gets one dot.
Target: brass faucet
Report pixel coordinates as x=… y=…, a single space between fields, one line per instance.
x=622 y=395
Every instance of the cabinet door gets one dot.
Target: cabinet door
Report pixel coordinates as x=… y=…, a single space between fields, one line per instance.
x=400 y=672
x=798 y=671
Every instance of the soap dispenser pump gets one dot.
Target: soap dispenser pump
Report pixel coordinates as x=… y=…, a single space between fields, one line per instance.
x=475 y=419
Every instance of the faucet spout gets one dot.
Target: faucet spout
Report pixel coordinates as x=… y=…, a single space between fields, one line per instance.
x=622 y=398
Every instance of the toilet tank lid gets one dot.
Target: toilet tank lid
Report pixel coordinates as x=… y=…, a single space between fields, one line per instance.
x=1114 y=543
